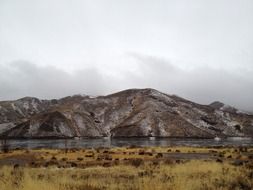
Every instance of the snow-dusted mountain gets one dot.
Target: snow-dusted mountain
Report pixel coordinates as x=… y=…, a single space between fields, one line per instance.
x=133 y=112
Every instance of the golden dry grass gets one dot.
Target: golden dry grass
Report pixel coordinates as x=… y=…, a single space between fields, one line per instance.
x=191 y=175
x=140 y=171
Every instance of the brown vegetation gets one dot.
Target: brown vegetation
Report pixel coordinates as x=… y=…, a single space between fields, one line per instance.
x=127 y=168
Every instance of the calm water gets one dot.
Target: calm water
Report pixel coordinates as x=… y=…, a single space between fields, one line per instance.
x=119 y=142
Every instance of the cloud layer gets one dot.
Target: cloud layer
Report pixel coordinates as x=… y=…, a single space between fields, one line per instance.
x=198 y=49
x=202 y=85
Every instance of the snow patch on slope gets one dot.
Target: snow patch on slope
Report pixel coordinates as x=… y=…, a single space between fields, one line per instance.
x=15 y=108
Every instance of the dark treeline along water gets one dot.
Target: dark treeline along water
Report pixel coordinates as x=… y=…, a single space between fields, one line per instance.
x=120 y=142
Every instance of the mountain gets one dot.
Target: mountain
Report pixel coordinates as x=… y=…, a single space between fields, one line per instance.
x=133 y=112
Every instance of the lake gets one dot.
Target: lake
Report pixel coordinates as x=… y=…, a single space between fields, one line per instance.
x=120 y=142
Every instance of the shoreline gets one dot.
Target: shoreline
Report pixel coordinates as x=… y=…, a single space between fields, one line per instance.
x=122 y=137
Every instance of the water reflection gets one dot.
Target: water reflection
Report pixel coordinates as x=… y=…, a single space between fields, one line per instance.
x=119 y=142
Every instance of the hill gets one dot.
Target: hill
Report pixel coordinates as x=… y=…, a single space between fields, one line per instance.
x=129 y=113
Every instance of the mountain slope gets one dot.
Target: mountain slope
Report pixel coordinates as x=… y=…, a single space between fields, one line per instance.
x=133 y=112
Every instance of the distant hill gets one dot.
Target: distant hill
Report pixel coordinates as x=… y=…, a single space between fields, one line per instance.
x=129 y=113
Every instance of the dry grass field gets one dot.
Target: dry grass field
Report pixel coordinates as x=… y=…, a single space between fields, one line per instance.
x=129 y=168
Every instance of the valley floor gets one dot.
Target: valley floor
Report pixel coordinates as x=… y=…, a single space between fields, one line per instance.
x=127 y=168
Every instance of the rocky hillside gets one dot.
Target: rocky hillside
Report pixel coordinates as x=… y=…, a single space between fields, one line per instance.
x=134 y=112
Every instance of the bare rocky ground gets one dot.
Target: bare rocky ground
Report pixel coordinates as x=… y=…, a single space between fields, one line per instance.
x=129 y=113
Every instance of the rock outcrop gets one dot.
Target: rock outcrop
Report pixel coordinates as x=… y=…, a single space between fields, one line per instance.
x=129 y=113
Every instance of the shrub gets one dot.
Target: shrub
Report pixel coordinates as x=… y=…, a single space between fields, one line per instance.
x=168 y=161
x=141 y=152
x=159 y=155
x=73 y=164
x=219 y=160
x=136 y=162
x=79 y=159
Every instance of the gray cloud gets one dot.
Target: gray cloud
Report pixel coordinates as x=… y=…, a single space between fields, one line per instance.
x=22 y=78
x=202 y=85
x=197 y=49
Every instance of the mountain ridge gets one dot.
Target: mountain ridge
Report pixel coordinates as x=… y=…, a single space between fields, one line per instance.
x=132 y=112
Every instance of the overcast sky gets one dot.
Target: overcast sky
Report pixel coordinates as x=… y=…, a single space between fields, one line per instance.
x=201 y=50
